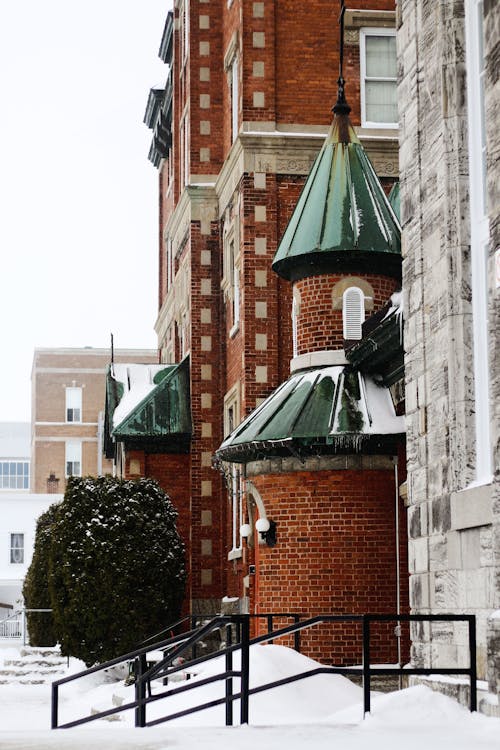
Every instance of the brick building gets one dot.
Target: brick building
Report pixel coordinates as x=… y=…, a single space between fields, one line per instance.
x=67 y=406
x=236 y=129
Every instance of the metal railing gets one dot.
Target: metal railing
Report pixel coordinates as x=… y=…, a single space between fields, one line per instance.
x=240 y=625
x=14 y=626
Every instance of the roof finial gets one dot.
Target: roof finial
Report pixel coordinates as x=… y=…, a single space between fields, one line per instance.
x=341 y=107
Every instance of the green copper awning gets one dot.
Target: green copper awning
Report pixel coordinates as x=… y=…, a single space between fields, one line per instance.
x=149 y=406
x=343 y=220
x=333 y=409
x=380 y=351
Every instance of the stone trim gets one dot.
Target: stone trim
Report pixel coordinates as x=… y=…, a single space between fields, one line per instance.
x=471 y=507
x=319 y=463
x=318 y=359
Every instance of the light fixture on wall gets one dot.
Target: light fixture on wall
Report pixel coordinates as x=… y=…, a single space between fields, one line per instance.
x=245 y=530
x=267 y=531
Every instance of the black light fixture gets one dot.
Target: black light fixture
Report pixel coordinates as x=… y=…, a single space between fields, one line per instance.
x=267 y=531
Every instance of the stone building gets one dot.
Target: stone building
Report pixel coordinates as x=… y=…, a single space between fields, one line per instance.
x=235 y=132
x=67 y=408
x=449 y=99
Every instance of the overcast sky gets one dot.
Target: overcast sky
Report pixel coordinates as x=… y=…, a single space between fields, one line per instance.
x=78 y=210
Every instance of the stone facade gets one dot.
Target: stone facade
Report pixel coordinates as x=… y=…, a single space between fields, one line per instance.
x=452 y=346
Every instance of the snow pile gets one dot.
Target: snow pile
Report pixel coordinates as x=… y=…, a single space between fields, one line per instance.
x=321 y=712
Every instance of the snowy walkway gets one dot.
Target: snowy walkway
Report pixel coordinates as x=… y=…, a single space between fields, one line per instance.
x=306 y=712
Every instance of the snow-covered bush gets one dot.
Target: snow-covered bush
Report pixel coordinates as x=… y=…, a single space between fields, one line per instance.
x=116 y=566
x=36 y=584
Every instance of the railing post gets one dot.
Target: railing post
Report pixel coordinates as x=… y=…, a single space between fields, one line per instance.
x=245 y=667
x=270 y=625
x=54 y=706
x=472 y=663
x=366 y=665
x=140 y=690
x=229 y=680
x=23 y=626
x=296 y=635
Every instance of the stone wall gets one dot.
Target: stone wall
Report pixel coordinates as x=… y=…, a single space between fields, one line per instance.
x=454 y=545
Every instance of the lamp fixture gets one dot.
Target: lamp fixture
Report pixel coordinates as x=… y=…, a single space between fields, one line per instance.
x=267 y=531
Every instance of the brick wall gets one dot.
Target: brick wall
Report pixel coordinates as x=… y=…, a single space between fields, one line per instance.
x=335 y=553
x=319 y=326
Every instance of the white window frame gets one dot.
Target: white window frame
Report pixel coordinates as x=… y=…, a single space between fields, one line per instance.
x=184 y=150
x=480 y=236
x=363 y=35
x=73 y=455
x=235 y=488
x=235 y=98
x=348 y=311
x=74 y=404
x=295 y=316
x=231 y=284
x=12 y=478
x=16 y=536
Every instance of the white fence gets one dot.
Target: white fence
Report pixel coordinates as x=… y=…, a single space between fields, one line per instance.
x=13 y=627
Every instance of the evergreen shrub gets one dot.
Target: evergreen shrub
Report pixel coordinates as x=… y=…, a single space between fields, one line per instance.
x=116 y=571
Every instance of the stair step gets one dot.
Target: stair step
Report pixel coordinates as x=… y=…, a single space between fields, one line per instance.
x=35 y=662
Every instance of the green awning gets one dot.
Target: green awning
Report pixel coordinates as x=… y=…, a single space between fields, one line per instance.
x=151 y=406
x=343 y=220
x=331 y=409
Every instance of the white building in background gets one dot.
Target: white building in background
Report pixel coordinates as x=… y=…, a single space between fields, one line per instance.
x=19 y=511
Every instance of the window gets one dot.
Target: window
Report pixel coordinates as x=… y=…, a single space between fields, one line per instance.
x=353 y=312
x=295 y=315
x=184 y=30
x=235 y=284
x=14 y=475
x=73 y=404
x=231 y=278
x=169 y=263
x=479 y=234
x=378 y=78
x=233 y=474
x=234 y=99
x=17 y=549
x=73 y=459
x=184 y=147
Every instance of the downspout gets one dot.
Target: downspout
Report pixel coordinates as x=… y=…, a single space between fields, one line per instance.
x=398 y=572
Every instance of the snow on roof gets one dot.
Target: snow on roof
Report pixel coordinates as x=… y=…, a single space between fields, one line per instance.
x=15 y=439
x=138 y=382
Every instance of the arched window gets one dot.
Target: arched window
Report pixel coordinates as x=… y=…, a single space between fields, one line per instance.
x=353 y=312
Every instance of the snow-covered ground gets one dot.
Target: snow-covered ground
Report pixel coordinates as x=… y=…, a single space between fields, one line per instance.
x=322 y=712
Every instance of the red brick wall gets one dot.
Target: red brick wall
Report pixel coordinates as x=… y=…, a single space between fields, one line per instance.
x=172 y=472
x=319 y=326
x=335 y=553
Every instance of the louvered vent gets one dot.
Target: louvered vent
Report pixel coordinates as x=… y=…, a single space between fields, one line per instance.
x=353 y=313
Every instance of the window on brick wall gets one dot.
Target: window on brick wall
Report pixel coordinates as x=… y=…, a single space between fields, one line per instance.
x=235 y=98
x=378 y=78
x=73 y=404
x=295 y=316
x=231 y=278
x=17 y=549
x=353 y=313
x=184 y=150
x=169 y=263
x=73 y=459
x=233 y=473
x=184 y=30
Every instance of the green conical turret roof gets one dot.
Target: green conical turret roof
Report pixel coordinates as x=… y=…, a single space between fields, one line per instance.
x=343 y=220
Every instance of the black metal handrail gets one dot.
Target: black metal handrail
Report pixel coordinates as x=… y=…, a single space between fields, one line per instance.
x=178 y=645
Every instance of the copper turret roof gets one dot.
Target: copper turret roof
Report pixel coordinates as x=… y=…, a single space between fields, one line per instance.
x=343 y=220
